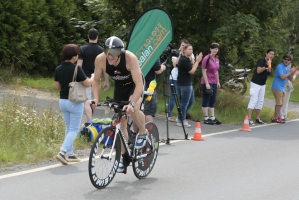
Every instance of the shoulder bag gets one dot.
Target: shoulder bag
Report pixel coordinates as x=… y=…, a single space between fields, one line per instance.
x=77 y=91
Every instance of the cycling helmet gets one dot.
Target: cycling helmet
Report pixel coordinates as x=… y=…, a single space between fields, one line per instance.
x=113 y=46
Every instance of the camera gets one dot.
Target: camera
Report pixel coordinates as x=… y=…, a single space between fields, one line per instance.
x=169 y=52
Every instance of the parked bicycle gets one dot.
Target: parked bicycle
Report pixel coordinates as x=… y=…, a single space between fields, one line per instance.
x=106 y=150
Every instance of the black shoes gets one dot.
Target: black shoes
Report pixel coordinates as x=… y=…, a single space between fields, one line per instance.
x=212 y=122
x=259 y=121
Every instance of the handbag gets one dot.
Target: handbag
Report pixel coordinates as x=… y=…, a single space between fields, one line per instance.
x=77 y=91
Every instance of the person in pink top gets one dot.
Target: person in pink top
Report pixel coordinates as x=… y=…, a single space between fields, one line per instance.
x=209 y=84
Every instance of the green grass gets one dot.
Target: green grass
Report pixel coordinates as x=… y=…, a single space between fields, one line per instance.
x=28 y=134
x=45 y=84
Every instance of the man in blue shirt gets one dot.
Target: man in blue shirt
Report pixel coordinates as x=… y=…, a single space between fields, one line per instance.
x=282 y=72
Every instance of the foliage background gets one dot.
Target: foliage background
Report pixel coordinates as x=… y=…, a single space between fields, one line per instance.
x=33 y=32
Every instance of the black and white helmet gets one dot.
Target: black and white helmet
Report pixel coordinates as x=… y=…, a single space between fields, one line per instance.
x=113 y=46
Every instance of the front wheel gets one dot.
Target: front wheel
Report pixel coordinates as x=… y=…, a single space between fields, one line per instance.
x=143 y=166
x=104 y=158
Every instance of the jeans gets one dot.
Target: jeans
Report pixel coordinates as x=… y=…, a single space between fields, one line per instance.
x=72 y=115
x=186 y=94
x=172 y=97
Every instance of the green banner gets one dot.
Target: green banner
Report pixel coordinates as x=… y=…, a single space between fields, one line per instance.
x=150 y=36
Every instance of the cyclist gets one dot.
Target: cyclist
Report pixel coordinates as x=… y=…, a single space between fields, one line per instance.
x=123 y=67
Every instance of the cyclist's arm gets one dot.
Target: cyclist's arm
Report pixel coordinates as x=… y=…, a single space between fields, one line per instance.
x=99 y=65
x=133 y=66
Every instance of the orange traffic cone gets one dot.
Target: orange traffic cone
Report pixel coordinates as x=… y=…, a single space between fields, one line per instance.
x=197 y=133
x=246 y=124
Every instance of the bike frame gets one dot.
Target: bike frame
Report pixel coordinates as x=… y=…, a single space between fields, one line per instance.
x=118 y=131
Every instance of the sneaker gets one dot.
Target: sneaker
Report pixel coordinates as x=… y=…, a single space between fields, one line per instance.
x=259 y=121
x=215 y=121
x=277 y=120
x=208 y=121
x=141 y=140
x=251 y=122
x=61 y=157
x=185 y=124
x=179 y=124
x=121 y=167
x=283 y=118
x=171 y=119
x=73 y=158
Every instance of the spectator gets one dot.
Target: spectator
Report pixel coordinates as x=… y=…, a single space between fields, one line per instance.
x=186 y=67
x=210 y=83
x=287 y=90
x=258 y=87
x=72 y=112
x=173 y=78
x=150 y=107
x=282 y=73
x=86 y=59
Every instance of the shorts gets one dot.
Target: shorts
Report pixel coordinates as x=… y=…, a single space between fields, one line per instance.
x=150 y=107
x=89 y=93
x=122 y=92
x=279 y=97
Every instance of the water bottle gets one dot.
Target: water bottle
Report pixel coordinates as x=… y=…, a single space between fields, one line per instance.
x=151 y=89
x=269 y=65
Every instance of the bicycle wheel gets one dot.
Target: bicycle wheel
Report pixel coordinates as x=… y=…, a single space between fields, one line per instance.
x=241 y=87
x=143 y=167
x=101 y=168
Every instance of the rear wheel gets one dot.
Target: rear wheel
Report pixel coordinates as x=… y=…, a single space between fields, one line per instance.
x=240 y=87
x=101 y=167
x=143 y=166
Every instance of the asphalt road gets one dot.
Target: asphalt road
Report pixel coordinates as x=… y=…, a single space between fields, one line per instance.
x=228 y=164
x=231 y=164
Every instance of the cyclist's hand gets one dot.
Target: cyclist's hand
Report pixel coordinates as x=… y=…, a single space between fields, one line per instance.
x=128 y=108
x=94 y=103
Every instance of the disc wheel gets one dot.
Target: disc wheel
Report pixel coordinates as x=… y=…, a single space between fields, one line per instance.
x=143 y=167
x=101 y=167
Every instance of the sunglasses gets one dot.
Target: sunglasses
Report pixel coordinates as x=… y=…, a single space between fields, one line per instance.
x=287 y=59
x=113 y=52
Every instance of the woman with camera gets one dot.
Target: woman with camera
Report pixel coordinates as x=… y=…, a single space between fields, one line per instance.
x=210 y=84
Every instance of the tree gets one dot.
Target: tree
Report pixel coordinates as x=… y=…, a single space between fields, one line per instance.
x=33 y=33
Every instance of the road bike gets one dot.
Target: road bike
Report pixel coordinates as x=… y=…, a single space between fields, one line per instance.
x=105 y=152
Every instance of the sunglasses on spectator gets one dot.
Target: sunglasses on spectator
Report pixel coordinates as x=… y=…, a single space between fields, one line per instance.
x=287 y=59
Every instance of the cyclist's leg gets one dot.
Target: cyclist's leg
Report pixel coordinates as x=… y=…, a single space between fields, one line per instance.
x=139 y=120
x=125 y=158
x=124 y=130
